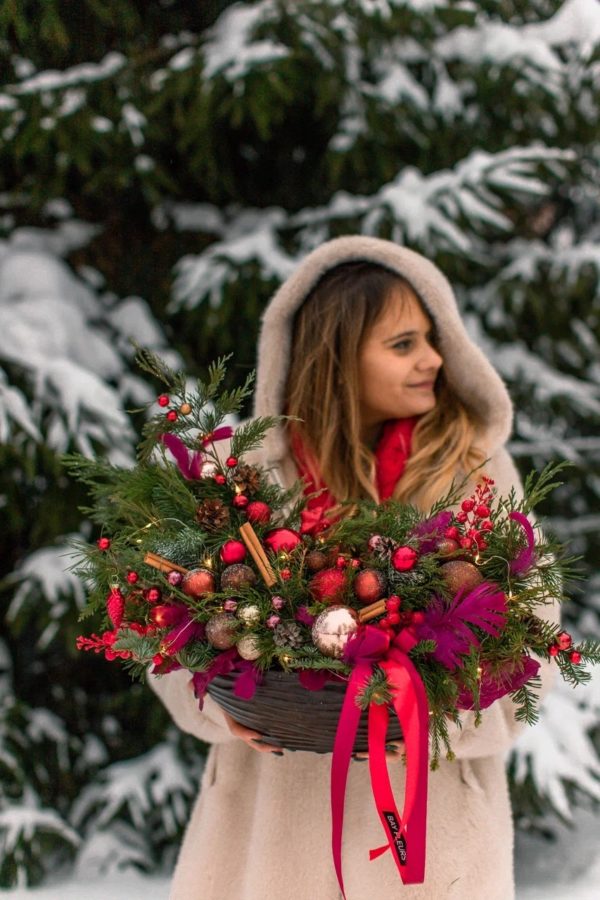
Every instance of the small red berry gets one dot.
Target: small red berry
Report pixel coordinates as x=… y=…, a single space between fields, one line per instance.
x=461 y=517
x=392 y=604
x=487 y=525
x=103 y=543
x=393 y=618
x=220 y=479
x=163 y=400
x=564 y=640
x=132 y=577
x=385 y=622
x=482 y=511
x=153 y=595
x=553 y=650
x=418 y=617
x=467 y=505
x=575 y=657
x=231 y=462
x=481 y=543
x=355 y=563
x=465 y=543
x=341 y=562
x=286 y=574
x=453 y=533
x=172 y=415
x=240 y=501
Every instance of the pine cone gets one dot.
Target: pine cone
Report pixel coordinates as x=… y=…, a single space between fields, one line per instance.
x=212 y=515
x=288 y=634
x=247 y=478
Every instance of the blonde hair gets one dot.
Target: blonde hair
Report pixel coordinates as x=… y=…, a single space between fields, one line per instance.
x=322 y=389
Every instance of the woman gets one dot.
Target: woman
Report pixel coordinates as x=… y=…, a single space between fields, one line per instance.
x=365 y=344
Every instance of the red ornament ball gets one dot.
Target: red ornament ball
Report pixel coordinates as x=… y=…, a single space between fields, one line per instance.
x=163 y=400
x=153 y=595
x=404 y=559
x=232 y=552
x=417 y=617
x=286 y=574
x=369 y=585
x=258 y=512
x=132 y=577
x=341 y=562
x=282 y=540
x=553 y=649
x=231 y=462
x=103 y=543
x=240 y=501
x=328 y=585
x=172 y=415
x=564 y=640
x=198 y=582
x=220 y=478
x=575 y=657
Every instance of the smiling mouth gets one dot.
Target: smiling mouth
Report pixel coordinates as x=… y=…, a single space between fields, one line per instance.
x=423 y=384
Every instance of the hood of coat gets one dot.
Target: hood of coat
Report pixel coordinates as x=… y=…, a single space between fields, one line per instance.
x=467 y=369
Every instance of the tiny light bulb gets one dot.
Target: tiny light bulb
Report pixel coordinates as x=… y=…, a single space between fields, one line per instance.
x=207 y=561
x=479 y=671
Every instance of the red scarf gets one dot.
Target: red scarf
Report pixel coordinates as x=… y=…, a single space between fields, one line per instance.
x=391 y=455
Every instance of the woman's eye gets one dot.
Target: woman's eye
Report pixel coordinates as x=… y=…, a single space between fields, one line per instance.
x=402 y=345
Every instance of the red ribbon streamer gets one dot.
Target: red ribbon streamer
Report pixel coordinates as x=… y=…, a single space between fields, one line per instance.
x=406 y=833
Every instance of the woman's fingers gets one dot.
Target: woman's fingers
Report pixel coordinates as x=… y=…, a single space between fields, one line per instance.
x=392 y=752
x=254 y=739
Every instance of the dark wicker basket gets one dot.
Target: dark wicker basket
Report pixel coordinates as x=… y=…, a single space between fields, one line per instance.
x=289 y=715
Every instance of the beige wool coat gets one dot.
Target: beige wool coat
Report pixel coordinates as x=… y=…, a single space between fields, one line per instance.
x=261 y=827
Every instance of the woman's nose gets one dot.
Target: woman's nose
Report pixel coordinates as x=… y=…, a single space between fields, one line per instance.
x=430 y=359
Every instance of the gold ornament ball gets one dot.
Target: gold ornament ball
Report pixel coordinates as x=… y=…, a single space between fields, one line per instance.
x=248 y=647
x=460 y=574
x=221 y=631
x=198 y=582
x=236 y=576
x=185 y=409
x=332 y=630
x=250 y=615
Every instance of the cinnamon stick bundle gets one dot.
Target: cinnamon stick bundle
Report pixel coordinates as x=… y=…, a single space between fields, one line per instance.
x=257 y=552
x=162 y=564
x=371 y=611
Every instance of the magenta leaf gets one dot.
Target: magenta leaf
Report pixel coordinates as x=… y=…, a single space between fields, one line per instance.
x=450 y=624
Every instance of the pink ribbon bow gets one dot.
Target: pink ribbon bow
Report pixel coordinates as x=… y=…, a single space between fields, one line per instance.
x=406 y=832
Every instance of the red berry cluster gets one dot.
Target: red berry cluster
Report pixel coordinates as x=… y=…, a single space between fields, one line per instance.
x=563 y=644
x=473 y=515
x=394 y=619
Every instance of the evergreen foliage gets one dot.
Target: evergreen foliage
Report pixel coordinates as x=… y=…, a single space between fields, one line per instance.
x=189 y=155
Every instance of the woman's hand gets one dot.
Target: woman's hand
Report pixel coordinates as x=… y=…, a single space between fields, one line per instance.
x=253 y=738
x=393 y=751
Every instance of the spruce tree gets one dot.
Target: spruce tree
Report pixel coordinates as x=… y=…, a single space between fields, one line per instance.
x=164 y=166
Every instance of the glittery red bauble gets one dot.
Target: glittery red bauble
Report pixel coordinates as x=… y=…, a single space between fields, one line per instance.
x=237 y=576
x=231 y=462
x=153 y=595
x=172 y=415
x=460 y=574
x=132 y=577
x=240 y=501
x=369 y=585
x=328 y=586
x=286 y=574
x=221 y=631
x=445 y=546
x=258 y=512
x=103 y=543
x=404 y=559
x=163 y=400
x=198 y=582
x=282 y=540
x=233 y=552
x=220 y=479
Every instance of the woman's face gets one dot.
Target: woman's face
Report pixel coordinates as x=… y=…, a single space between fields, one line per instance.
x=397 y=365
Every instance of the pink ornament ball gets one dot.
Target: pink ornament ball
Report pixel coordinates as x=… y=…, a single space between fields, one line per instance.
x=404 y=559
x=232 y=552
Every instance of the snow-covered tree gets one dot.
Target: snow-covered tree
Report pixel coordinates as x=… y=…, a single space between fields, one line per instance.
x=189 y=155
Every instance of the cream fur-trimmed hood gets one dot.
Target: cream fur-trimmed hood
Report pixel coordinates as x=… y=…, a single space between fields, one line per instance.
x=467 y=368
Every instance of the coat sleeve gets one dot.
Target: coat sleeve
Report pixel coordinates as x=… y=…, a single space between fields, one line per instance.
x=498 y=729
x=207 y=725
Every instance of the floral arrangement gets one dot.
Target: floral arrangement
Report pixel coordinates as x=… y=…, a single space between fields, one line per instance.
x=206 y=564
